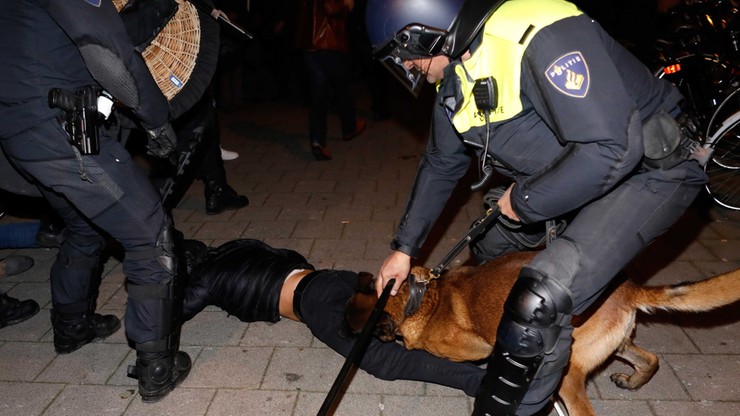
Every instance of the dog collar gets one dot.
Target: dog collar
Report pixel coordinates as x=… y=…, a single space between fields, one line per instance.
x=416 y=294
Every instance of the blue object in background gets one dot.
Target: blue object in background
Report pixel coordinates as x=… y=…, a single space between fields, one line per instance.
x=19 y=235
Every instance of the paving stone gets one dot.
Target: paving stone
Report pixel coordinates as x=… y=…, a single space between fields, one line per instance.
x=708 y=377
x=229 y=367
x=698 y=408
x=269 y=229
x=287 y=199
x=182 y=401
x=344 y=404
x=304 y=369
x=87 y=400
x=220 y=230
x=248 y=402
x=26 y=399
x=333 y=199
x=396 y=405
x=285 y=333
x=348 y=214
x=94 y=363
x=337 y=249
x=663 y=337
x=365 y=230
x=318 y=229
x=24 y=361
x=213 y=329
x=622 y=407
x=32 y=329
x=301 y=214
x=255 y=213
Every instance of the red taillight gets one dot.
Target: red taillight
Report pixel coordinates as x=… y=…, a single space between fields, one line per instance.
x=672 y=69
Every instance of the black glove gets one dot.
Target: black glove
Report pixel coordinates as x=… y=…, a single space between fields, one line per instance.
x=162 y=141
x=490 y=200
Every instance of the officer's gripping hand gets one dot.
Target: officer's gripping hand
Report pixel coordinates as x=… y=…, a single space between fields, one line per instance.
x=504 y=204
x=162 y=141
x=396 y=266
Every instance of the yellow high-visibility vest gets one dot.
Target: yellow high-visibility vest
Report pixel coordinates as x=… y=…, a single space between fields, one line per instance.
x=506 y=35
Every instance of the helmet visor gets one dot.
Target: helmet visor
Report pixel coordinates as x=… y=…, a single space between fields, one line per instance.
x=411 y=78
x=412 y=42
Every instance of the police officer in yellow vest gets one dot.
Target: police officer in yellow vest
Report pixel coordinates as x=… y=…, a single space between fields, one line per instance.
x=539 y=91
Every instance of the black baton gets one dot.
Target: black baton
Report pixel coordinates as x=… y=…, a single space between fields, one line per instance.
x=358 y=349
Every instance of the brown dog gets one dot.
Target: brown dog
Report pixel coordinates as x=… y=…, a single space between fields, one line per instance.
x=459 y=314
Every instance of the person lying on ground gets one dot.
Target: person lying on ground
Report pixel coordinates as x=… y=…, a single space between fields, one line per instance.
x=256 y=282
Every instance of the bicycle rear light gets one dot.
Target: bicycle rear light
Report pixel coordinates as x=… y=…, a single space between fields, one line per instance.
x=672 y=69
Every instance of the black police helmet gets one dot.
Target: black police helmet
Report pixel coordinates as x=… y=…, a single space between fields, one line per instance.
x=401 y=30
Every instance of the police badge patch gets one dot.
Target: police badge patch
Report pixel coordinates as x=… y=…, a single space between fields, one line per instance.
x=569 y=74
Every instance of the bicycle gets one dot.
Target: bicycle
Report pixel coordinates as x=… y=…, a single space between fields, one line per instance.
x=723 y=167
x=702 y=58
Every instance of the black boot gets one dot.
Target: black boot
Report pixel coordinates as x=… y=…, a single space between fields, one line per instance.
x=220 y=197
x=159 y=373
x=72 y=331
x=13 y=265
x=50 y=234
x=13 y=311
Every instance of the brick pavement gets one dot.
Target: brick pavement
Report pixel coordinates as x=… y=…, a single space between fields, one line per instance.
x=341 y=214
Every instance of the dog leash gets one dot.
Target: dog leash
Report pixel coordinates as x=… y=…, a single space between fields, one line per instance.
x=478 y=226
x=358 y=349
x=418 y=287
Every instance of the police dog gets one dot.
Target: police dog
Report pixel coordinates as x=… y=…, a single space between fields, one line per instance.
x=459 y=314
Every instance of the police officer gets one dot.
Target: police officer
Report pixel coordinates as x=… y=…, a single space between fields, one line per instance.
x=75 y=47
x=540 y=92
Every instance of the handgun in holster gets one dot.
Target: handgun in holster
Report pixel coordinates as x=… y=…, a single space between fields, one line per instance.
x=81 y=117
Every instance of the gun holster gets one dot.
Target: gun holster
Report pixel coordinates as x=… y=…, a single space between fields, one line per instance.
x=668 y=141
x=81 y=118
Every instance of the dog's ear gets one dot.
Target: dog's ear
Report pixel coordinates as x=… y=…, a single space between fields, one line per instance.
x=365 y=283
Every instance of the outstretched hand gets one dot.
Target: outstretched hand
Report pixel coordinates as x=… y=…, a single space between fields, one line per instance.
x=396 y=266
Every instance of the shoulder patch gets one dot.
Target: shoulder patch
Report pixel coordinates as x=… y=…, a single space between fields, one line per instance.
x=569 y=75
x=95 y=3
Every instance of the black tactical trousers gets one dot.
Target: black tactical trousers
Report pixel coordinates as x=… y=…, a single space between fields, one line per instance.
x=97 y=194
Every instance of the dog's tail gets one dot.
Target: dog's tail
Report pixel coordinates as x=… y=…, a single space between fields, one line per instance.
x=700 y=296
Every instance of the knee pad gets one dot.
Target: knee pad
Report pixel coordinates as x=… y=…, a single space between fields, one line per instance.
x=166 y=245
x=165 y=295
x=164 y=249
x=534 y=313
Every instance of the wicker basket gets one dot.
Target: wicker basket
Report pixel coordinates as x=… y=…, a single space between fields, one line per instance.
x=172 y=55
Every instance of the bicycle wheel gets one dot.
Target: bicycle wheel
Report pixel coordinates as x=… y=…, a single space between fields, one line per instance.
x=723 y=168
x=703 y=79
